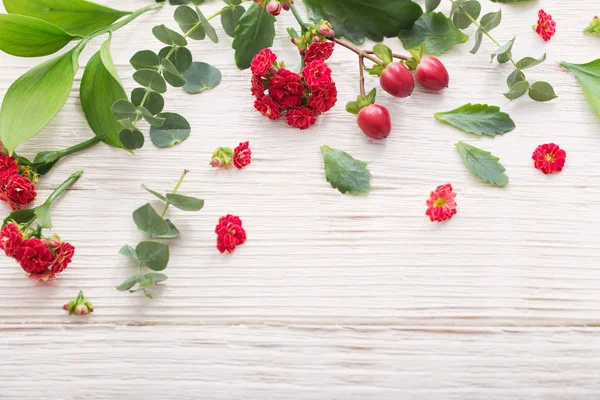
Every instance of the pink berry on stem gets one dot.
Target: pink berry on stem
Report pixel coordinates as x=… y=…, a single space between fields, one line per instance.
x=432 y=74
x=375 y=121
x=397 y=80
x=274 y=8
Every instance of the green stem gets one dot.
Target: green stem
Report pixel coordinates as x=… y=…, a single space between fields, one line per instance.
x=82 y=146
x=179 y=182
x=303 y=25
x=64 y=186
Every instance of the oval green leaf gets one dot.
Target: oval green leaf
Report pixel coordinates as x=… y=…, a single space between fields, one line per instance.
x=256 y=31
x=23 y=36
x=208 y=28
x=151 y=119
x=345 y=173
x=153 y=101
x=168 y=36
x=171 y=74
x=132 y=139
x=483 y=164
x=153 y=255
x=465 y=10
x=145 y=59
x=478 y=119
x=230 y=19
x=189 y=22
x=542 y=91
x=149 y=222
x=181 y=57
x=124 y=109
x=175 y=130
x=185 y=203
x=150 y=79
x=200 y=77
x=518 y=90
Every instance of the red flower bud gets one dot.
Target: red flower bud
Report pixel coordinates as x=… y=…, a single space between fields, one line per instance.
x=274 y=8
x=326 y=31
x=375 y=121
x=397 y=80
x=81 y=309
x=432 y=74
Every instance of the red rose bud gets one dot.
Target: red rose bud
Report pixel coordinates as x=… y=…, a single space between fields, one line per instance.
x=432 y=74
x=274 y=8
x=375 y=121
x=286 y=6
x=397 y=80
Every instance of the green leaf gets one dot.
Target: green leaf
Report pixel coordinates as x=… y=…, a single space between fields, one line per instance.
x=231 y=18
x=129 y=283
x=174 y=131
x=478 y=40
x=30 y=37
x=149 y=222
x=185 y=203
x=588 y=76
x=208 y=28
x=145 y=59
x=160 y=196
x=150 y=79
x=78 y=17
x=189 y=22
x=171 y=74
x=594 y=27
x=181 y=57
x=491 y=20
x=200 y=77
x=542 y=91
x=518 y=90
x=123 y=109
x=256 y=31
x=431 y=5
x=100 y=89
x=483 y=164
x=153 y=255
x=435 y=30
x=345 y=173
x=42 y=213
x=463 y=10
x=132 y=139
x=151 y=279
x=172 y=234
x=129 y=252
x=503 y=53
x=151 y=119
x=515 y=76
x=357 y=19
x=154 y=101
x=34 y=99
x=20 y=216
x=529 y=62
x=383 y=52
x=479 y=119
x=168 y=36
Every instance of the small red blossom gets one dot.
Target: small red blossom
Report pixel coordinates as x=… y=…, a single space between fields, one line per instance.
x=10 y=239
x=262 y=62
x=323 y=100
x=546 y=26
x=319 y=51
x=242 y=155
x=230 y=233
x=286 y=88
x=8 y=165
x=441 y=205
x=267 y=107
x=63 y=255
x=16 y=190
x=317 y=75
x=257 y=88
x=549 y=158
x=301 y=118
x=34 y=256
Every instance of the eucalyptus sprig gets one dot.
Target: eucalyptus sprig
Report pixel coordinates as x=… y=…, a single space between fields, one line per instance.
x=152 y=254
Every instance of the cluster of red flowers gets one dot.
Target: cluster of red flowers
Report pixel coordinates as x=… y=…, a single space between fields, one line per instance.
x=41 y=258
x=15 y=189
x=300 y=98
x=230 y=233
x=546 y=26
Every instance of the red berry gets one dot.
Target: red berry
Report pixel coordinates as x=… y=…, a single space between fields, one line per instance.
x=375 y=121
x=274 y=8
x=432 y=74
x=397 y=80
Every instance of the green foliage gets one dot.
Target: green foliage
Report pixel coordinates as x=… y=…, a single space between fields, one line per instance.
x=542 y=91
x=594 y=27
x=200 y=77
x=588 y=76
x=483 y=164
x=174 y=131
x=230 y=19
x=345 y=173
x=437 y=32
x=24 y=36
x=255 y=31
x=478 y=119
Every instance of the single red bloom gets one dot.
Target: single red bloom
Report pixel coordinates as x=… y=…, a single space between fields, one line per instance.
x=257 y=88
x=546 y=26
x=16 y=190
x=242 y=155
x=8 y=164
x=286 y=88
x=262 y=62
x=441 y=205
x=34 y=256
x=63 y=255
x=267 y=107
x=317 y=75
x=319 y=51
x=230 y=233
x=10 y=239
x=323 y=100
x=549 y=158
x=301 y=118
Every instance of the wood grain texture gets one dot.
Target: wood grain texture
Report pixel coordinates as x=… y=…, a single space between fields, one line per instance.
x=332 y=296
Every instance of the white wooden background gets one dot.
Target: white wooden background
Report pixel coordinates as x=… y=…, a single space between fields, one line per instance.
x=332 y=296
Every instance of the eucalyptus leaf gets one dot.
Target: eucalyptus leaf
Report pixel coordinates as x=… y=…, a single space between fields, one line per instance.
x=123 y=109
x=200 y=77
x=160 y=196
x=129 y=252
x=189 y=22
x=517 y=90
x=153 y=255
x=483 y=164
x=542 y=91
x=185 y=203
x=181 y=57
x=129 y=282
x=171 y=74
x=151 y=119
x=345 y=173
x=503 y=53
x=168 y=36
x=479 y=119
x=465 y=12
x=516 y=76
x=255 y=31
x=24 y=36
x=231 y=18
x=208 y=28
x=529 y=62
x=150 y=79
x=478 y=40
x=173 y=232
x=491 y=20
x=588 y=76
x=145 y=59
x=175 y=130
x=149 y=222
x=431 y=5
x=437 y=32
x=132 y=139
x=153 y=102
x=150 y=279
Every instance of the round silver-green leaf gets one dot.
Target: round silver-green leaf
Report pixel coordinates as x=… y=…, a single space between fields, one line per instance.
x=175 y=130
x=200 y=77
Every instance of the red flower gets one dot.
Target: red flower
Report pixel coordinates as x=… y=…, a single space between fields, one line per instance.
x=262 y=62
x=16 y=190
x=323 y=100
x=10 y=239
x=230 y=233
x=546 y=26
x=317 y=75
x=62 y=258
x=319 y=51
x=8 y=164
x=301 y=118
x=34 y=256
x=257 y=89
x=441 y=205
x=286 y=88
x=267 y=107
x=242 y=155
x=549 y=158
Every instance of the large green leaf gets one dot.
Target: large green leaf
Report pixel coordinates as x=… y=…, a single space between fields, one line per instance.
x=483 y=164
x=588 y=76
x=346 y=173
x=479 y=119
x=185 y=203
x=435 y=30
x=149 y=222
x=77 y=17
x=153 y=255
x=357 y=19
x=34 y=99
x=100 y=89
x=255 y=31
x=24 y=36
